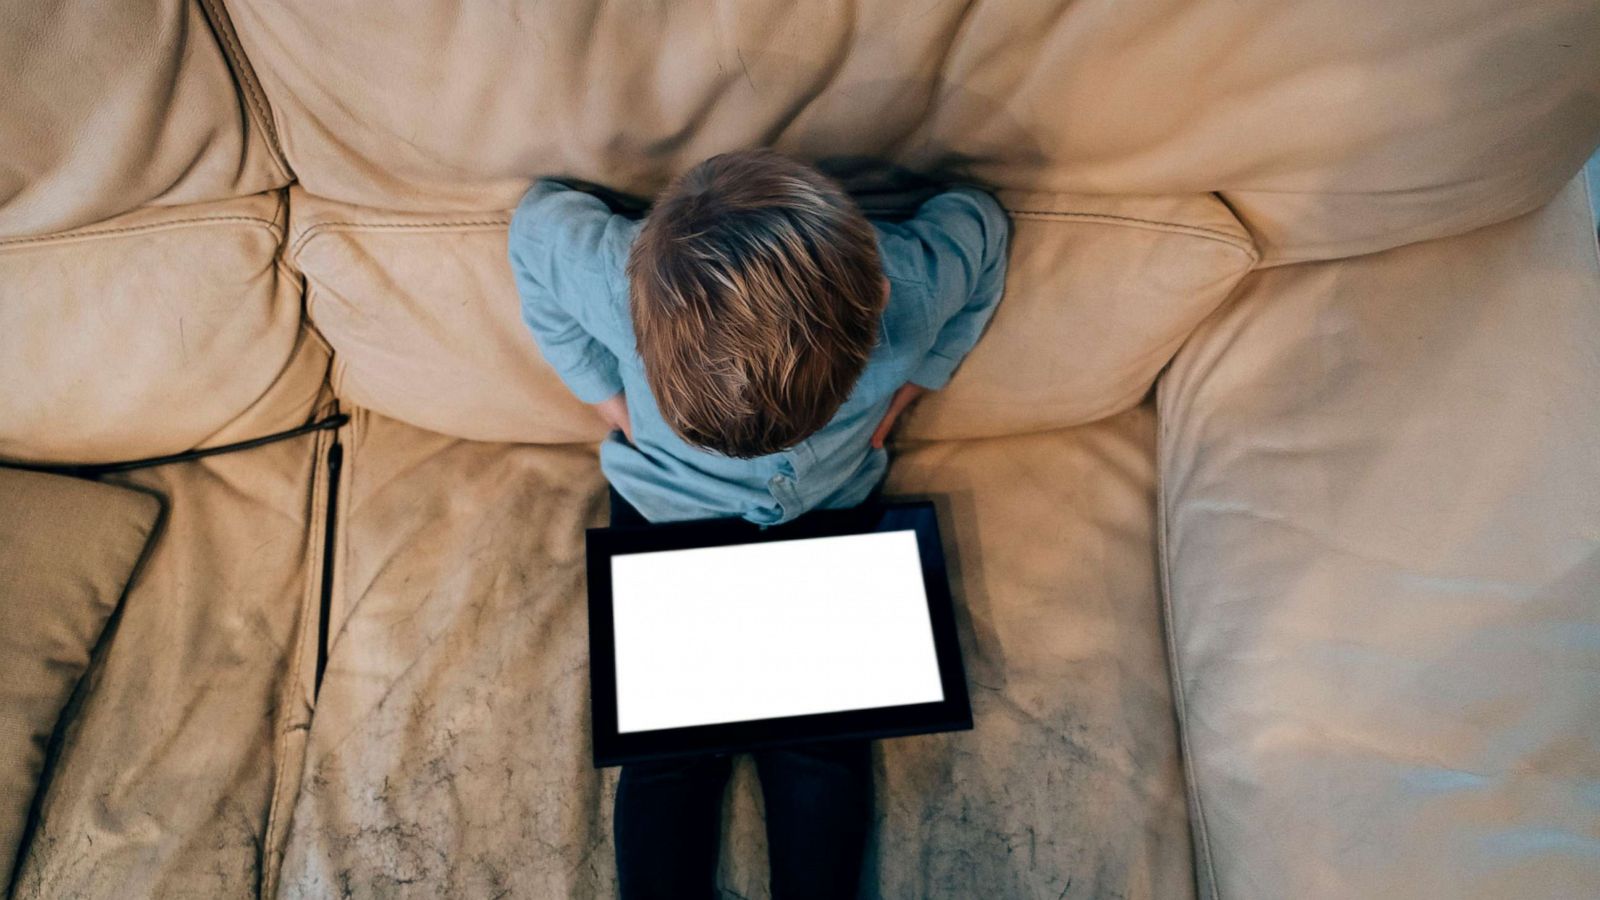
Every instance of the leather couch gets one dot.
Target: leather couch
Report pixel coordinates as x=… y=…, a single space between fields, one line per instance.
x=1273 y=491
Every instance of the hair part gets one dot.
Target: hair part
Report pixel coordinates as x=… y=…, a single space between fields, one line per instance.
x=756 y=291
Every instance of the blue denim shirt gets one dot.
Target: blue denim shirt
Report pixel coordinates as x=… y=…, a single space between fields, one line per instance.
x=946 y=270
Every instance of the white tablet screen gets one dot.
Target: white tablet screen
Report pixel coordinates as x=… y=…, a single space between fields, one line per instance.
x=766 y=630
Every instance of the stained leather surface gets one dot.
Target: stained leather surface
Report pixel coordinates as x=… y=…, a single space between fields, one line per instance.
x=449 y=754
x=164 y=780
x=67 y=549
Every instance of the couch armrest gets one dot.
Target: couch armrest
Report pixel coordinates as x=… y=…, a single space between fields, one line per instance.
x=1381 y=543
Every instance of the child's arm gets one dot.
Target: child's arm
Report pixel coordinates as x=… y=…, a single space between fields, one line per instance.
x=564 y=247
x=964 y=233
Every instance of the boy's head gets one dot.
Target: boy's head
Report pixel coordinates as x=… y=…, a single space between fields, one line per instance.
x=756 y=293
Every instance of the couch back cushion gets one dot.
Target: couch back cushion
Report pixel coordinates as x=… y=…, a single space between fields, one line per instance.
x=425 y=323
x=1100 y=291
x=108 y=106
x=157 y=331
x=423 y=317
x=1337 y=126
x=67 y=548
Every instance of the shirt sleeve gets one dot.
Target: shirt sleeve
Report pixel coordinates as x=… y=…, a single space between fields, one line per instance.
x=563 y=246
x=964 y=233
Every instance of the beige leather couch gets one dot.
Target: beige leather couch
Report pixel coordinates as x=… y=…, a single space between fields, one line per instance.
x=1274 y=489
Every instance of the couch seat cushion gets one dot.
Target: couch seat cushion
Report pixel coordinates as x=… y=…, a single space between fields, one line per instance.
x=449 y=755
x=164 y=783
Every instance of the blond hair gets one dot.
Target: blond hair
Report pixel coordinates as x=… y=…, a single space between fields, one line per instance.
x=756 y=292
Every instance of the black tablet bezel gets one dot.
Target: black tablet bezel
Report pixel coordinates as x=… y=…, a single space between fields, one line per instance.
x=953 y=713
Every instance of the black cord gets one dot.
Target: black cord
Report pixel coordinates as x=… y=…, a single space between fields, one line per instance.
x=91 y=470
x=329 y=534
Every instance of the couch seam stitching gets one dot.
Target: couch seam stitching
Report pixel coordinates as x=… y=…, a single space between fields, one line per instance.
x=69 y=236
x=1232 y=240
x=336 y=363
x=1180 y=701
x=254 y=94
x=270 y=843
x=1241 y=244
x=320 y=227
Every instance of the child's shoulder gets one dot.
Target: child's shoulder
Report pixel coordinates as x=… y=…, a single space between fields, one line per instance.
x=557 y=222
x=960 y=207
x=960 y=228
x=546 y=200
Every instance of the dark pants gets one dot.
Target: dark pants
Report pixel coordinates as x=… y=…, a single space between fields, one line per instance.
x=668 y=814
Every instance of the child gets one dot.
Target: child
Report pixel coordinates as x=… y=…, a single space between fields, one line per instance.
x=752 y=341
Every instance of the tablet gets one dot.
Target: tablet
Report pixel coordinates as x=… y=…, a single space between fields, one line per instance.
x=720 y=636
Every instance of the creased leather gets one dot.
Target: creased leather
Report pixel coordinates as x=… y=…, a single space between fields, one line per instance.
x=1335 y=127
x=1381 y=491
x=153 y=333
x=163 y=783
x=427 y=328
x=105 y=107
x=449 y=755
